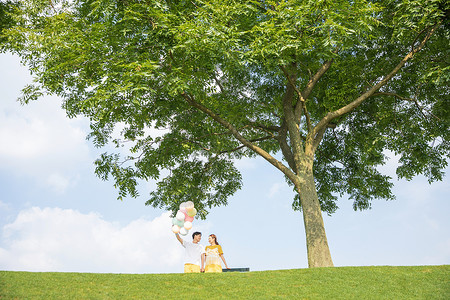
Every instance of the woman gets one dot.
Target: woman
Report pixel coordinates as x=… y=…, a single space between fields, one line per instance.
x=213 y=252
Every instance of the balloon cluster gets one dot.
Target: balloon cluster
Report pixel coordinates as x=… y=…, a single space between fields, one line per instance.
x=182 y=222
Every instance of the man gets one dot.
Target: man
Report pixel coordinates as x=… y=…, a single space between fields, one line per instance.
x=194 y=260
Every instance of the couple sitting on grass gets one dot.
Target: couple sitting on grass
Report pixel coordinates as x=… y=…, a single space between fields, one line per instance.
x=202 y=259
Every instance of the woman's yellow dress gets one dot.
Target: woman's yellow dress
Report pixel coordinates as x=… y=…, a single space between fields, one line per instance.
x=213 y=264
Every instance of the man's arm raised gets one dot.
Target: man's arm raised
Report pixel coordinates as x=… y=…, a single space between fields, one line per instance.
x=179 y=238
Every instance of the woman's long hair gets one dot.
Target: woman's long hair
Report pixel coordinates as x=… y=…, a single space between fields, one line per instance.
x=215 y=238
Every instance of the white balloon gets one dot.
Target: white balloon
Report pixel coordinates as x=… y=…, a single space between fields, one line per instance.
x=180 y=216
x=189 y=205
x=187 y=225
x=176 y=229
x=183 y=231
x=183 y=205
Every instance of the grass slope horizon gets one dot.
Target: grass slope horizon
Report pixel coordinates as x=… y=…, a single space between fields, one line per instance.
x=375 y=282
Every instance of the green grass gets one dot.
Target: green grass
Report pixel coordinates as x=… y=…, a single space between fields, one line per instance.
x=421 y=282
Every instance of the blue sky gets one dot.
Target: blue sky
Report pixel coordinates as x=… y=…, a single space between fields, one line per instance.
x=56 y=215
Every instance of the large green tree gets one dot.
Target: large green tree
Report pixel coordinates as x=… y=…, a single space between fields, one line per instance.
x=329 y=86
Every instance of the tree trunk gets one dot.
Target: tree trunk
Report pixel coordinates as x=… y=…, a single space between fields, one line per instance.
x=316 y=239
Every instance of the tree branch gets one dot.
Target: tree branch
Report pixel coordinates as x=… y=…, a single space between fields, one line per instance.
x=292 y=126
x=302 y=96
x=394 y=95
x=285 y=149
x=221 y=133
x=252 y=141
x=298 y=114
x=313 y=81
x=308 y=89
x=318 y=138
x=420 y=108
x=292 y=83
x=276 y=163
x=219 y=84
x=310 y=86
x=354 y=104
x=196 y=143
x=263 y=127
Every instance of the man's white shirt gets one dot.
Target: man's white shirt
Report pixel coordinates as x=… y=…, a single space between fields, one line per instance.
x=193 y=253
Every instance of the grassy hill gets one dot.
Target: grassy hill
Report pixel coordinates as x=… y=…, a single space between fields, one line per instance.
x=421 y=282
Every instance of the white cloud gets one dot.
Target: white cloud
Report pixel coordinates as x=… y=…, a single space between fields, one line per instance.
x=65 y=240
x=38 y=140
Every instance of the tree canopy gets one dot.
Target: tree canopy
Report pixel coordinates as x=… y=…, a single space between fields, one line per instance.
x=329 y=86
